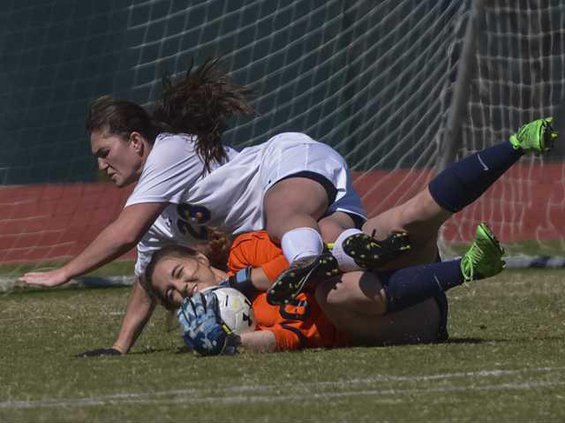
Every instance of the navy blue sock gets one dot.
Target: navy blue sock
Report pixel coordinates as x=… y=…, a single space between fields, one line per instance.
x=463 y=182
x=412 y=285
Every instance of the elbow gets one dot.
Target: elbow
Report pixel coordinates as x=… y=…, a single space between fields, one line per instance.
x=127 y=243
x=129 y=240
x=123 y=238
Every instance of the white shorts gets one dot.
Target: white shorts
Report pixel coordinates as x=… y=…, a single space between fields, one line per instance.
x=295 y=153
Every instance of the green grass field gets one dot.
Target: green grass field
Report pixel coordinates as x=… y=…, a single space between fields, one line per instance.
x=504 y=363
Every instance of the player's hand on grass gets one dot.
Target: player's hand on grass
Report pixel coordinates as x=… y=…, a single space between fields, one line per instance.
x=203 y=329
x=47 y=279
x=100 y=352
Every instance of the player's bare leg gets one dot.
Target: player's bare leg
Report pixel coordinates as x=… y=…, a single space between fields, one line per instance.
x=405 y=305
x=455 y=188
x=355 y=304
x=293 y=207
x=294 y=203
x=294 y=280
x=333 y=225
x=420 y=217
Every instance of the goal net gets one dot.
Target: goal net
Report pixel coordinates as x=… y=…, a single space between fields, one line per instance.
x=374 y=79
x=519 y=76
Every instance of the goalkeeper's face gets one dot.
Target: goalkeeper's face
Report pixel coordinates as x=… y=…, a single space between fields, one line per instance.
x=175 y=278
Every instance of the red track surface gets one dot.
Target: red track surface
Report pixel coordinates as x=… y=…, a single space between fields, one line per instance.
x=48 y=222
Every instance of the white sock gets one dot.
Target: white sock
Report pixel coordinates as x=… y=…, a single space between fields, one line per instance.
x=345 y=262
x=301 y=242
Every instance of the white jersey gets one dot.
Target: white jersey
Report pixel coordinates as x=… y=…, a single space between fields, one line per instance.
x=229 y=197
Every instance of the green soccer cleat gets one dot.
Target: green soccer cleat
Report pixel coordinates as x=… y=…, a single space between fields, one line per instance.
x=484 y=257
x=537 y=136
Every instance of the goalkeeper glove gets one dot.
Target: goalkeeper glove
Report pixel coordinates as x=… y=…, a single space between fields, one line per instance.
x=203 y=329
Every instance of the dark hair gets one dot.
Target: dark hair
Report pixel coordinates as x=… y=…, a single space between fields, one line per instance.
x=121 y=118
x=200 y=103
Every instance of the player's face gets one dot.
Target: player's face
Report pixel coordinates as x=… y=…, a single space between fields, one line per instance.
x=121 y=159
x=177 y=278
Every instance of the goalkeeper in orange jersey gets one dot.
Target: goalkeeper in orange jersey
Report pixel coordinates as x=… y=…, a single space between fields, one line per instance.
x=179 y=277
x=178 y=273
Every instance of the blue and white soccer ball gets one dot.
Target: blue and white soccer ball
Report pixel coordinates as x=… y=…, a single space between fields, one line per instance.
x=235 y=310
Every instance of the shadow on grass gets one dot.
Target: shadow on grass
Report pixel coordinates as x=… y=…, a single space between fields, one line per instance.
x=150 y=351
x=183 y=350
x=133 y=353
x=484 y=341
x=453 y=340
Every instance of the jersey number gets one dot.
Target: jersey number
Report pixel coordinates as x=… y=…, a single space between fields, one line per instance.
x=295 y=310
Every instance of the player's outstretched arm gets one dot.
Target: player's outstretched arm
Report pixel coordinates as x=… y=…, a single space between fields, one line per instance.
x=259 y=341
x=116 y=239
x=139 y=309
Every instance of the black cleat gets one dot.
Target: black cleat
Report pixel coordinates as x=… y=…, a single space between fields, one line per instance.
x=369 y=253
x=299 y=276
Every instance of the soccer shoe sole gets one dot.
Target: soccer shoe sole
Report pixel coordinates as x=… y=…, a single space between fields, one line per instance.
x=484 y=231
x=370 y=253
x=488 y=245
x=544 y=140
x=294 y=280
x=549 y=137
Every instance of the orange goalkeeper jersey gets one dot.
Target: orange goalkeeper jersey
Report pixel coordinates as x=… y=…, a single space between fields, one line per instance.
x=300 y=324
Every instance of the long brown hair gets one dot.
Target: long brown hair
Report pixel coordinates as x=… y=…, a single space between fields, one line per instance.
x=120 y=117
x=198 y=103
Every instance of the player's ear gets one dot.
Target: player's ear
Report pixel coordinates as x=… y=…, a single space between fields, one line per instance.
x=136 y=141
x=202 y=259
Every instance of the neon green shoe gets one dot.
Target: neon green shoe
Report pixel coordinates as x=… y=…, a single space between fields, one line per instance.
x=537 y=136
x=484 y=257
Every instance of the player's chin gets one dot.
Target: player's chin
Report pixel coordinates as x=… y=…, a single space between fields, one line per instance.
x=119 y=182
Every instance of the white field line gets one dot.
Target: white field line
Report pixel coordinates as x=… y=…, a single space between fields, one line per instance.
x=272 y=393
x=261 y=398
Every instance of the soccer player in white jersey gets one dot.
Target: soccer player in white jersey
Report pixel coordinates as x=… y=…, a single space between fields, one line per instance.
x=188 y=180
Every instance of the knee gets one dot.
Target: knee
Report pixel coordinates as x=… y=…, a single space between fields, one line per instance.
x=359 y=292
x=330 y=230
x=324 y=293
x=331 y=297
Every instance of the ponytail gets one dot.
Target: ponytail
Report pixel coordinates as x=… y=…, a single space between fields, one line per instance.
x=200 y=103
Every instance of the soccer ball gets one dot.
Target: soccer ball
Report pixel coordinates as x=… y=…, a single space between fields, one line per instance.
x=235 y=310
